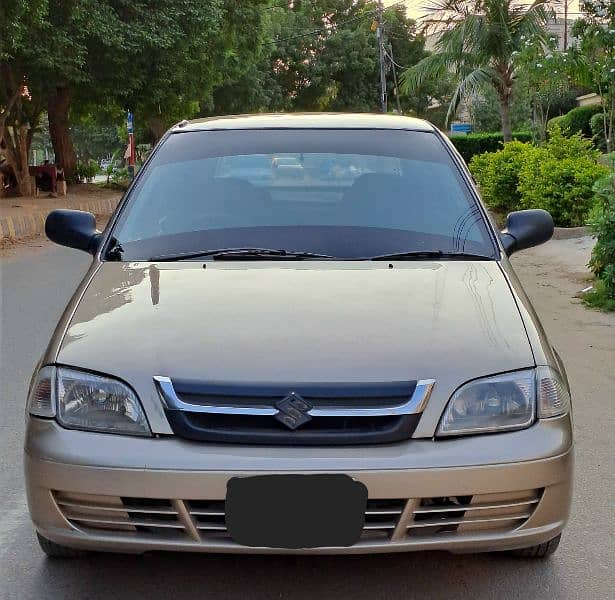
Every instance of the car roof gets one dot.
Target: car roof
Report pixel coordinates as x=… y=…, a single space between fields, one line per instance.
x=305 y=121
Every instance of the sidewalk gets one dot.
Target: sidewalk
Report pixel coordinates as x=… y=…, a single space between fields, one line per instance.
x=25 y=217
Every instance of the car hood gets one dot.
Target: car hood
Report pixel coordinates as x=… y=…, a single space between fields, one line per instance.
x=298 y=322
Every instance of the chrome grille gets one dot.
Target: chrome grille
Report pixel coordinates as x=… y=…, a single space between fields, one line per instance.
x=386 y=520
x=264 y=413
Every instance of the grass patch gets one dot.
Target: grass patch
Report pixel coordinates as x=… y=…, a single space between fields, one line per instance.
x=599 y=299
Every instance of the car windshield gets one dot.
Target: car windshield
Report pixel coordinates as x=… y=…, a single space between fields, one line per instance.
x=339 y=193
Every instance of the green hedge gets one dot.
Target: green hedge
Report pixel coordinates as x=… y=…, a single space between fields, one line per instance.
x=575 y=121
x=602 y=225
x=478 y=143
x=497 y=173
x=558 y=177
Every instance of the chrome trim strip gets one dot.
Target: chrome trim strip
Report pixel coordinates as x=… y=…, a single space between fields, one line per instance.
x=414 y=405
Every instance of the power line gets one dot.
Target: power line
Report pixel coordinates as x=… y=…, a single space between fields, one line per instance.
x=383 y=77
x=394 y=78
x=390 y=57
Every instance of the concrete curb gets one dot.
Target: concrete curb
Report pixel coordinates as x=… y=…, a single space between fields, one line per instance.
x=33 y=221
x=567 y=233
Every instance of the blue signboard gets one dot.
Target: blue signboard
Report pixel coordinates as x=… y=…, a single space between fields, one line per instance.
x=457 y=128
x=130 y=122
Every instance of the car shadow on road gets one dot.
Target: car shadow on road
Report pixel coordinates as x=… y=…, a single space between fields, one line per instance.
x=415 y=575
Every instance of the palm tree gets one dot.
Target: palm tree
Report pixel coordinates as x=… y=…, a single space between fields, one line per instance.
x=478 y=44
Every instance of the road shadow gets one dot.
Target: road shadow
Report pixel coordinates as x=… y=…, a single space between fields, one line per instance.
x=422 y=575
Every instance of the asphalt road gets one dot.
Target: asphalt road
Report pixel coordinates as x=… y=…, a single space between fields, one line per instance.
x=35 y=284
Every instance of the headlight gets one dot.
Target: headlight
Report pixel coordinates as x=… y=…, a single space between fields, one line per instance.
x=88 y=402
x=505 y=402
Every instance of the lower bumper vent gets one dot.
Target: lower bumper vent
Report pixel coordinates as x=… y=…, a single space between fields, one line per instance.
x=390 y=520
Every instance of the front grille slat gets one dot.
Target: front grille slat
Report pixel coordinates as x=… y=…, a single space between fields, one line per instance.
x=474 y=507
x=383 y=511
x=386 y=525
x=123 y=508
x=207 y=513
x=469 y=521
x=136 y=522
x=211 y=527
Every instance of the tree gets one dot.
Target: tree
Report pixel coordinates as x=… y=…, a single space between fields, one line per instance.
x=478 y=42
x=595 y=58
x=322 y=55
x=484 y=110
x=545 y=76
x=20 y=105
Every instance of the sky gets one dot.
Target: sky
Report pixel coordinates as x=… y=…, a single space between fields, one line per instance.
x=415 y=7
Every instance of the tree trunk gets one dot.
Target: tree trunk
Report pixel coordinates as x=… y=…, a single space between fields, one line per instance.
x=59 y=130
x=157 y=127
x=505 y=114
x=23 y=174
x=16 y=152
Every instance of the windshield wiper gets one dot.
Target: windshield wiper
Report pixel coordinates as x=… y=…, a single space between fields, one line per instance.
x=242 y=253
x=427 y=254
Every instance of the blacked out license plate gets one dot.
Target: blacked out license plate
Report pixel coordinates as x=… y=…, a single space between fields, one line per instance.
x=295 y=511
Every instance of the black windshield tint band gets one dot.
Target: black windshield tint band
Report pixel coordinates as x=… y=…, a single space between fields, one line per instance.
x=197 y=145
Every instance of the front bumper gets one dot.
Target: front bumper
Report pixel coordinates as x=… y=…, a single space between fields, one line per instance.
x=122 y=494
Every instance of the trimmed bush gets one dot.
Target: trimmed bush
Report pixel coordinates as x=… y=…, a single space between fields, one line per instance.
x=575 y=121
x=602 y=225
x=497 y=174
x=559 y=178
x=478 y=143
x=556 y=123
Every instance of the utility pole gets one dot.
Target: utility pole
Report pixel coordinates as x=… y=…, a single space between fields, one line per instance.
x=383 y=77
x=565 y=25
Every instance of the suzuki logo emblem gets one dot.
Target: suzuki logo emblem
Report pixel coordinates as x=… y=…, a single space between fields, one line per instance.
x=293 y=411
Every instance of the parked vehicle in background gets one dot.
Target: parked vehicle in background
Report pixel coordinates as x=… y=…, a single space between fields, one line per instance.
x=347 y=364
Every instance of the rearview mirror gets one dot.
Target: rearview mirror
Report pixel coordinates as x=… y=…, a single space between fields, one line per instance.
x=526 y=228
x=73 y=228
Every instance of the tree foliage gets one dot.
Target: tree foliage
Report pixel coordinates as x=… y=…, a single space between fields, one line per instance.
x=85 y=62
x=479 y=42
x=595 y=58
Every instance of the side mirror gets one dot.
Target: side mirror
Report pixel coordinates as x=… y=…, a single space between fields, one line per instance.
x=526 y=228
x=73 y=228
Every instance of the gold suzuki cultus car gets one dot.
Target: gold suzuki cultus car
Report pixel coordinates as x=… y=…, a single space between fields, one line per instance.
x=300 y=334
